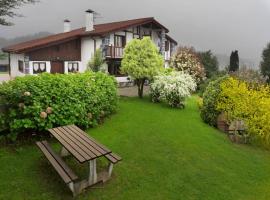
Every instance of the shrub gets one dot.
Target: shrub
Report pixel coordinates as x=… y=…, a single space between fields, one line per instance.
x=242 y=102
x=186 y=60
x=96 y=62
x=203 y=85
x=45 y=101
x=173 y=88
x=251 y=76
x=141 y=61
x=209 y=112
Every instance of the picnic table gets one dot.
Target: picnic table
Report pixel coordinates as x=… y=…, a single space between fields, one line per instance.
x=83 y=148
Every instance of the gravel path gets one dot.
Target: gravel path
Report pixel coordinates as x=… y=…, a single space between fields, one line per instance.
x=132 y=91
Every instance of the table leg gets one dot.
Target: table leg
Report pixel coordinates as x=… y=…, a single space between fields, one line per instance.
x=110 y=169
x=92 y=172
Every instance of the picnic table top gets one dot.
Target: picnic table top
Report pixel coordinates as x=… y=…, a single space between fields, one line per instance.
x=78 y=143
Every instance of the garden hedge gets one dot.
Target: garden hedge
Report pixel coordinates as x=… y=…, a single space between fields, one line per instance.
x=42 y=102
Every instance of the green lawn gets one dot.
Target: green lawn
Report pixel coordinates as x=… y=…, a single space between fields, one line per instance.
x=167 y=154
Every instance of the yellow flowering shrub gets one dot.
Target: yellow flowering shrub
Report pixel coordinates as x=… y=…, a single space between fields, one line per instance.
x=242 y=102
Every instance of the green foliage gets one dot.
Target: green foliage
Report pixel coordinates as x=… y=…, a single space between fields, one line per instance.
x=234 y=61
x=209 y=112
x=158 y=145
x=241 y=102
x=265 y=63
x=209 y=62
x=45 y=101
x=7 y=9
x=141 y=61
x=96 y=62
x=203 y=85
x=3 y=56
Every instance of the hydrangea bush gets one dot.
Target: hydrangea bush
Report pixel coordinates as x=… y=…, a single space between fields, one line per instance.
x=172 y=88
x=186 y=60
x=37 y=103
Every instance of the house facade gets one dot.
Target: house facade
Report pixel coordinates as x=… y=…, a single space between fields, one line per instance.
x=71 y=50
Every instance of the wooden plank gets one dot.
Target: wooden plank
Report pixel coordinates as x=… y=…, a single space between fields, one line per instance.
x=90 y=138
x=111 y=158
x=70 y=173
x=87 y=139
x=94 y=144
x=78 y=156
x=73 y=144
x=83 y=142
x=116 y=156
x=53 y=162
x=78 y=142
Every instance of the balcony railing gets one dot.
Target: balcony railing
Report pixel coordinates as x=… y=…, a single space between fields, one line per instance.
x=114 y=52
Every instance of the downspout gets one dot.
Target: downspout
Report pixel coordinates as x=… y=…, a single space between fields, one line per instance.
x=9 y=67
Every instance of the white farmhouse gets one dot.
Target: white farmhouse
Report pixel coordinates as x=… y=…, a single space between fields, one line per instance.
x=71 y=50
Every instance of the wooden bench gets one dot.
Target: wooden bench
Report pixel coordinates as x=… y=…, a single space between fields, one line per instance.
x=68 y=176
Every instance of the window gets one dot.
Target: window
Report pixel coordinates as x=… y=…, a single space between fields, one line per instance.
x=114 y=68
x=73 y=67
x=167 y=45
x=39 y=67
x=20 y=66
x=136 y=30
x=119 y=41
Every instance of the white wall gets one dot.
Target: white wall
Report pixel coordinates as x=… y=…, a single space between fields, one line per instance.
x=14 y=68
x=129 y=37
x=88 y=50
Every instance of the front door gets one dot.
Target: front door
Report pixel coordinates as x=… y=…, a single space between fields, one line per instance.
x=57 y=67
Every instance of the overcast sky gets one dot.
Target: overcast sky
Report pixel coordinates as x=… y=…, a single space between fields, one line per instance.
x=219 y=25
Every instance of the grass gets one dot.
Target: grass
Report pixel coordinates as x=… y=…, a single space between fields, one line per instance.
x=167 y=154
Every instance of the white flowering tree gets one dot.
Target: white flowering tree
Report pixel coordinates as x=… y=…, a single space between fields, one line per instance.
x=173 y=88
x=186 y=60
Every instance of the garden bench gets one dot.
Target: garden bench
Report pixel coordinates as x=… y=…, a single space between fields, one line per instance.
x=59 y=165
x=84 y=149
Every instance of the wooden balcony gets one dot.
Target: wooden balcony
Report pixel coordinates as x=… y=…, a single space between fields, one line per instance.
x=114 y=52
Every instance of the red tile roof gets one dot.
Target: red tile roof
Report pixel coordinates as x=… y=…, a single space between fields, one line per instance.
x=99 y=30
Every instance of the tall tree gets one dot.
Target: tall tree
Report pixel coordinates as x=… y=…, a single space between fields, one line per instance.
x=265 y=63
x=234 y=61
x=142 y=61
x=7 y=8
x=209 y=62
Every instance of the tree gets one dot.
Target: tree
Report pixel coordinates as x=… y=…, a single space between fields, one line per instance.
x=209 y=62
x=265 y=63
x=7 y=8
x=96 y=62
x=187 y=60
x=234 y=61
x=3 y=56
x=141 y=61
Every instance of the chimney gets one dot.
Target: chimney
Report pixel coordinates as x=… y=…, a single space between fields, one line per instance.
x=89 y=26
x=67 y=26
